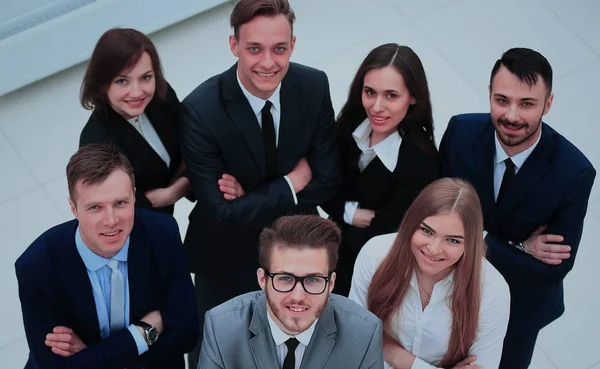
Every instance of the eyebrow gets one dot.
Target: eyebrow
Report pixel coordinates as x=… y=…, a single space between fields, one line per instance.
x=252 y=43
x=143 y=74
x=448 y=235
x=293 y=275
x=371 y=88
x=523 y=99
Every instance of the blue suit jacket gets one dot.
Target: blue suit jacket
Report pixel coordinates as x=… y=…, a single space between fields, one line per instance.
x=55 y=289
x=552 y=188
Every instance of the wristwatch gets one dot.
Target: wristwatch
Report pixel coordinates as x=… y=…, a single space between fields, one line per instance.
x=150 y=331
x=518 y=246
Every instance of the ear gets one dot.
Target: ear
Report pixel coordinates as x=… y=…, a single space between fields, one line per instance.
x=260 y=276
x=548 y=103
x=490 y=91
x=234 y=45
x=292 y=44
x=73 y=207
x=133 y=199
x=413 y=101
x=332 y=282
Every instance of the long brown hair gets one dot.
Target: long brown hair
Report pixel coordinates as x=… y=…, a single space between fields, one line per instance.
x=392 y=278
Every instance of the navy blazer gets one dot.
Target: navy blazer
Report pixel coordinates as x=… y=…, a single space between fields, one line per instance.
x=552 y=188
x=221 y=135
x=55 y=289
x=150 y=170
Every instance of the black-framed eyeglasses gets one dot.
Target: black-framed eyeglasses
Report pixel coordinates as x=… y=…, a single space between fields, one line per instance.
x=312 y=284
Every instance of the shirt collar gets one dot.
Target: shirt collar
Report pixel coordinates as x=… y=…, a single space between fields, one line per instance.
x=386 y=150
x=518 y=159
x=280 y=336
x=256 y=103
x=135 y=121
x=446 y=282
x=94 y=261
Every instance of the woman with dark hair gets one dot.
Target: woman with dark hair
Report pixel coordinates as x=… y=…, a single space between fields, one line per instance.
x=442 y=303
x=385 y=131
x=136 y=110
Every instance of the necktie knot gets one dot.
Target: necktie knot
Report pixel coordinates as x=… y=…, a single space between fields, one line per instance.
x=267 y=107
x=509 y=164
x=291 y=344
x=113 y=264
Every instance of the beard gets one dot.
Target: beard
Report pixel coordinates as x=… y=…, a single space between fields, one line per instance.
x=517 y=138
x=295 y=324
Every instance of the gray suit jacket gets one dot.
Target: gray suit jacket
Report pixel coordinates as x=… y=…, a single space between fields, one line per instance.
x=237 y=336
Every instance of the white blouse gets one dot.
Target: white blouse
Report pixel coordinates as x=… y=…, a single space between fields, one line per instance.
x=426 y=333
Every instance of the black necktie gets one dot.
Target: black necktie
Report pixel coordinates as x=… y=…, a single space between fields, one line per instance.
x=268 y=130
x=507 y=179
x=290 y=358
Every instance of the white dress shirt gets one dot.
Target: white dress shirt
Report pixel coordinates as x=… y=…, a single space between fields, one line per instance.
x=501 y=155
x=257 y=104
x=387 y=151
x=280 y=337
x=426 y=333
x=144 y=127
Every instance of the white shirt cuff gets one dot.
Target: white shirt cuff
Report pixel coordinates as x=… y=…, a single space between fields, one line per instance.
x=291 y=188
x=349 y=210
x=140 y=341
x=421 y=364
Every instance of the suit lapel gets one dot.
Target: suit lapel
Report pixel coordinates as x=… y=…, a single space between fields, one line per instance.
x=165 y=128
x=534 y=168
x=484 y=167
x=243 y=117
x=79 y=288
x=322 y=342
x=139 y=266
x=262 y=344
x=290 y=122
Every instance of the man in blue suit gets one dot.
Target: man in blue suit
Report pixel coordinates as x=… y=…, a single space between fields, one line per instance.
x=109 y=289
x=534 y=187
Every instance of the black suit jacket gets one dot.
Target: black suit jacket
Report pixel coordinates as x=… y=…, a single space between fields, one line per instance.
x=150 y=170
x=552 y=188
x=222 y=135
x=389 y=194
x=55 y=289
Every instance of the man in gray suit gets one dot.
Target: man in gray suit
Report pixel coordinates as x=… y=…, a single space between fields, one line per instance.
x=295 y=322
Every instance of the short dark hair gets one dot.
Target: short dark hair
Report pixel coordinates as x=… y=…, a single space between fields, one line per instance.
x=528 y=65
x=417 y=125
x=117 y=49
x=246 y=10
x=300 y=232
x=93 y=163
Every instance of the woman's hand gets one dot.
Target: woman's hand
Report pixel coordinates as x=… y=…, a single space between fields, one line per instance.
x=160 y=197
x=466 y=363
x=362 y=218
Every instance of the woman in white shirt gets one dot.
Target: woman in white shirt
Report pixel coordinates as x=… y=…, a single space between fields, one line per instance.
x=385 y=134
x=442 y=303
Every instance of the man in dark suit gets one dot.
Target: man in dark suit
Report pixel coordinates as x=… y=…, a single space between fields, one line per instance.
x=534 y=187
x=109 y=289
x=295 y=322
x=259 y=143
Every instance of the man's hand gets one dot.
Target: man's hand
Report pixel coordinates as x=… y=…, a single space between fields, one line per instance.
x=154 y=318
x=301 y=175
x=539 y=246
x=64 y=342
x=160 y=197
x=362 y=218
x=230 y=187
x=466 y=363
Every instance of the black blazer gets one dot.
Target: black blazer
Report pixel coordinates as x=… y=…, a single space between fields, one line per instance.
x=221 y=135
x=389 y=194
x=150 y=170
x=55 y=289
x=552 y=188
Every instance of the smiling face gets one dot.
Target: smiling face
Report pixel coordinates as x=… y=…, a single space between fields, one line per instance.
x=105 y=212
x=385 y=99
x=438 y=244
x=517 y=110
x=263 y=49
x=295 y=311
x=132 y=90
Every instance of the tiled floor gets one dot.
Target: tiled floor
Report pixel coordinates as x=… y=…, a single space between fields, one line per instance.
x=458 y=41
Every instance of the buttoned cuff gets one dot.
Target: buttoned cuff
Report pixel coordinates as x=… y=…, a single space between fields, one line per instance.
x=421 y=364
x=291 y=188
x=349 y=210
x=140 y=341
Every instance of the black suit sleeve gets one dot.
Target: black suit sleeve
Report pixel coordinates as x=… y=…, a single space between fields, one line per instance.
x=323 y=158
x=250 y=212
x=523 y=269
